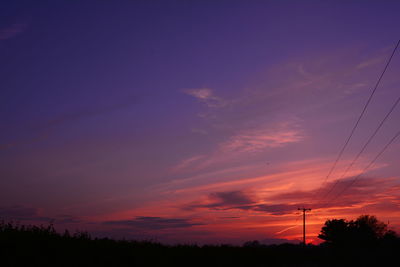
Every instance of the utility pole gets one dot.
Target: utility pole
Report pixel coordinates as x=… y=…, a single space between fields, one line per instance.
x=304 y=223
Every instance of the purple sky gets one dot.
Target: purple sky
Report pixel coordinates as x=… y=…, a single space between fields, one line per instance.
x=194 y=121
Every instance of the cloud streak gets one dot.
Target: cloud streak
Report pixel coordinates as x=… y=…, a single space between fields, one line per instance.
x=68 y=118
x=154 y=223
x=359 y=195
x=224 y=200
x=239 y=200
x=243 y=142
x=23 y=213
x=260 y=139
x=12 y=31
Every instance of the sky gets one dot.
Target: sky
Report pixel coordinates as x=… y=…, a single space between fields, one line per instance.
x=201 y=122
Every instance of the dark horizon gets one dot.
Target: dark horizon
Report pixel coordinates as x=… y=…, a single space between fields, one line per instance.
x=365 y=241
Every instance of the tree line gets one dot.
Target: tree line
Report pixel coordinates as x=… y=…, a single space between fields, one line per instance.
x=365 y=241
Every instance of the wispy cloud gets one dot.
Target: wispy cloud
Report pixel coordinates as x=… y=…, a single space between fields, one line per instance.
x=299 y=85
x=240 y=200
x=247 y=141
x=259 y=139
x=360 y=194
x=308 y=172
x=286 y=229
x=206 y=96
x=186 y=163
x=12 y=31
x=18 y=212
x=355 y=195
x=371 y=62
x=69 y=118
x=23 y=142
x=154 y=223
x=24 y=213
x=232 y=198
x=65 y=218
x=202 y=93
x=199 y=131
x=224 y=200
x=91 y=111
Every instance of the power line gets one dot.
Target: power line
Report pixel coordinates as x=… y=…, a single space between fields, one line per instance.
x=364 y=147
x=365 y=169
x=358 y=120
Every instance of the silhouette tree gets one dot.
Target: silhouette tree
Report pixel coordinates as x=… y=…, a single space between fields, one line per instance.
x=335 y=232
x=366 y=230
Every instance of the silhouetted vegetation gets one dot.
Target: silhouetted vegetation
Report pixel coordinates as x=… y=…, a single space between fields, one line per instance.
x=365 y=231
x=363 y=242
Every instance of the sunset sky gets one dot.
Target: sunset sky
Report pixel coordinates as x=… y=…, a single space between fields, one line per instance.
x=196 y=121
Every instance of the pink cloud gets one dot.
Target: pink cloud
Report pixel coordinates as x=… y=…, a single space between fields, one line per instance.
x=246 y=141
x=261 y=139
x=186 y=163
x=202 y=93
x=206 y=96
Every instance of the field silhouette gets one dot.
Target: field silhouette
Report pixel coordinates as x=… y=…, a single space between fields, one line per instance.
x=363 y=242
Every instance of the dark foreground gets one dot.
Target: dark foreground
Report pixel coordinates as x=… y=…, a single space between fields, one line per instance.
x=43 y=246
